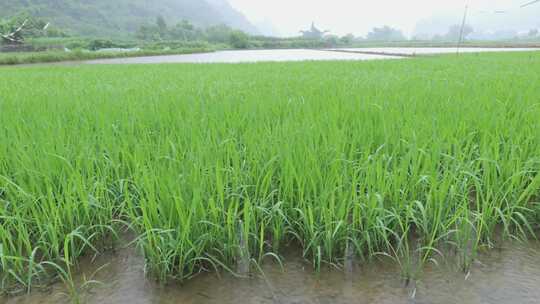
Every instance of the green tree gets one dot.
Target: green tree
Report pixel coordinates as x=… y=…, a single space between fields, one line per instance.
x=185 y=31
x=455 y=32
x=385 y=33
x=218 y=33
x=239 y=40
x=148 y=32
x=331 y=40
x=347 y=39
x=3 y=26
x=162 y=26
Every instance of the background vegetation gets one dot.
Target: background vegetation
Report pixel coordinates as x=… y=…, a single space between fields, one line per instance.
x=122 y=18
x=142 y=27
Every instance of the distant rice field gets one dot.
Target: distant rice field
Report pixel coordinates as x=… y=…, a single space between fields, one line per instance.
x=211 y=166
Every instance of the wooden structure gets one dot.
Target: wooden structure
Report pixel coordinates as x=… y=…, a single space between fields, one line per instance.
x=15 y=37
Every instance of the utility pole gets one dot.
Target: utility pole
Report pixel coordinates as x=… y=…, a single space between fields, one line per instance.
x=530 y=3
x=463 y=23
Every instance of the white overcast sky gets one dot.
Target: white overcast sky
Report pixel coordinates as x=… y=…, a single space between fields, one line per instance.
x=357 y=16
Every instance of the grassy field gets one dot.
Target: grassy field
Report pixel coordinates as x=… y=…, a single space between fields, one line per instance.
x=211 y=165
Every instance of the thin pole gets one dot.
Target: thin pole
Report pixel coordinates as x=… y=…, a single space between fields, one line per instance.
x=530 y=3
x=460 y=40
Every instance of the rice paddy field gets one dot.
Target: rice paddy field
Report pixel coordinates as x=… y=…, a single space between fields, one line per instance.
x=219 y=167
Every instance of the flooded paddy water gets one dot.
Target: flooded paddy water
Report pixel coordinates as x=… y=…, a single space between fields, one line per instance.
x=285 y=55
x=410 y=51
x=243 y=56
x=510 y=274
x=297 y=55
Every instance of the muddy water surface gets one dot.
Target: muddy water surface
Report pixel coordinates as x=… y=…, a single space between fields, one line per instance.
x=506 y=275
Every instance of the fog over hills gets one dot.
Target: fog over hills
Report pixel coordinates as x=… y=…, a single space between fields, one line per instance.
x=499 y=21
x=121 y=17
x=412 y=17
x=490 y=19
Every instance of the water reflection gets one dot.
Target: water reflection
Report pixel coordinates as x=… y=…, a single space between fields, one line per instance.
x=243 y=56
x=432 y=50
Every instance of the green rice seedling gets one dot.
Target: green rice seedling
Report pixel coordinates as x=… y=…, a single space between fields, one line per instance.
x=400 y=158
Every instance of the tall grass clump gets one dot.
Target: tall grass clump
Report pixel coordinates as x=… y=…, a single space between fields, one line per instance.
x=212 y=164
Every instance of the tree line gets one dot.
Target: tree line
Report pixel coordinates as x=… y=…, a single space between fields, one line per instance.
x=186 y=31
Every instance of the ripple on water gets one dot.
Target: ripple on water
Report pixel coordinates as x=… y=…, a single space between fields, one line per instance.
x=507 y=275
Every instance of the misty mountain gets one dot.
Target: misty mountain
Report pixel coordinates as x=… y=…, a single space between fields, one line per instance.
x=267 y=28
x=497 y=21
x=124 y=17
x=232 y=17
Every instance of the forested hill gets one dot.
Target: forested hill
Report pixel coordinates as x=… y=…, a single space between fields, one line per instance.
x=122 y=17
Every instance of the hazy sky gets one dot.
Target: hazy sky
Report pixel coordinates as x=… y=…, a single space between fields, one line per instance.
x=357 y=16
